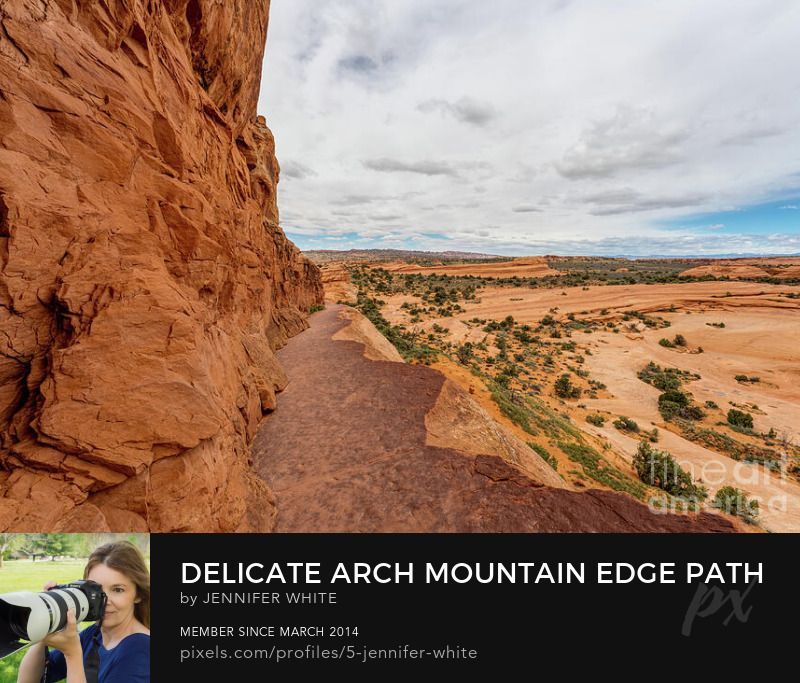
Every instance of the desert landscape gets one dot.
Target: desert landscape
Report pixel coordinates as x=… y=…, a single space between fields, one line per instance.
x=534 y=350
x=170 y=360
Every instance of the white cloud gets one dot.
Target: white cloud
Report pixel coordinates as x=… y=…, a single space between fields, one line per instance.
x=552 y=121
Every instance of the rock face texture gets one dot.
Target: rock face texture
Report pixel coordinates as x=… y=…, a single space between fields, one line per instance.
x=144 y=281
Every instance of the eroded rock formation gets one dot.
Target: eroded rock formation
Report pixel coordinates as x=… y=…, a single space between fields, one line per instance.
x=144 y=280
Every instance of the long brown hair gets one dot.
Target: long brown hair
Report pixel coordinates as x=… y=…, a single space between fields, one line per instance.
x=125 y=558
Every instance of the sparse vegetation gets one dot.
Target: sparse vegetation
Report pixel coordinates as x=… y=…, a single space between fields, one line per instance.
x=659 y=469
x=735 y=502
x=407 y=343
x=665 y=379
x=526 y=365
x=599 y=469
x=678 y=340
x=465 y=353
x=564 y=388
x=738 y=418
x=625 y=424
x=727 y=445
x=652 y=435
x=545 y=455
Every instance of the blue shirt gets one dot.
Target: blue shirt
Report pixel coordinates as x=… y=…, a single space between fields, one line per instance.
x=128 y=662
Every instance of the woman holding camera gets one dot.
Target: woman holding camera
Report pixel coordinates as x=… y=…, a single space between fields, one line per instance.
x=117 y=648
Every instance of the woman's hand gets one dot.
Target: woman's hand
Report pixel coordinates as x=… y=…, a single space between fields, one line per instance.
x=67 y=639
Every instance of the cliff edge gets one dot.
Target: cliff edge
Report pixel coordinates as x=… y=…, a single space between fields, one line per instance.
x=144 y=281
x=386 y=446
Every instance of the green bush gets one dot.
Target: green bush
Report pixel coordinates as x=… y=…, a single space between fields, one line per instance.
x=674 y=396
x=673 y=403
x=659 y=469
x=663 y=379
x=735 y=502
x=596 y=419
x=738 y=418
x=465 y=353
x=564 y=387
x=625 y=424
x=667 y=343
x=316 y=308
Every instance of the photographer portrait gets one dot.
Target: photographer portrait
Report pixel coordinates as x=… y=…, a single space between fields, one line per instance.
x=114 y=594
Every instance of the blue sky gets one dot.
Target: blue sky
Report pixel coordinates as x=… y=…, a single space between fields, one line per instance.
x=776 y=217
x=548 y=126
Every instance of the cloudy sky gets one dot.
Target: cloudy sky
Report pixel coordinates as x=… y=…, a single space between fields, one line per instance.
x=537 y=126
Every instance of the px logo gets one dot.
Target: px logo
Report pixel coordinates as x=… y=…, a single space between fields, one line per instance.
x=710 y=600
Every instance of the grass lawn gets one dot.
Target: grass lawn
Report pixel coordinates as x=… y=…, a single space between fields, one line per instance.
x=24 y=575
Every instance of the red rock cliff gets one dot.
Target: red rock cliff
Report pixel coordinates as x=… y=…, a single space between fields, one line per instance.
x=145 y=282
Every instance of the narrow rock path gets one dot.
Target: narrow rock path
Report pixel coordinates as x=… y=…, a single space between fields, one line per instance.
x=345 y=451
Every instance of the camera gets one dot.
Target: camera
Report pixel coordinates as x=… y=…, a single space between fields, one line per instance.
x=26 y=616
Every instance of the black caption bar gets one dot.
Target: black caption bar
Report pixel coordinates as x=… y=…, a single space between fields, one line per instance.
x=239 y=605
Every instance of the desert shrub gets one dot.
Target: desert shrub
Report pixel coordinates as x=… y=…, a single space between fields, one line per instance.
x=679 y=340
x=316 y=308
x=596 y=419
x=667 y=343
x=735 y=502
x=693 y=412
x=738 y=418
x=659 y=469
x=564 y=387
x=668 y=409
x=465 y=353
x=674 y=403
x=674 y=396
x=503 y=381
x=663 y=379
x=625 y=424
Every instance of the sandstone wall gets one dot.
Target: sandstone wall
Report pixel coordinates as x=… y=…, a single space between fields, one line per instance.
x=144 y=281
